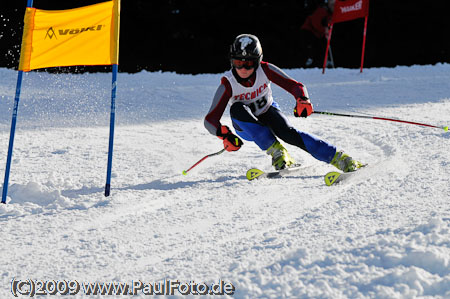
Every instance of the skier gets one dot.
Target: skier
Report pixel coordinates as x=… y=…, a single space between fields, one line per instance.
x=314 y=34
x=257 y=117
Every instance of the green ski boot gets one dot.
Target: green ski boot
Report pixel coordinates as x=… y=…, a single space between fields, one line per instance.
x=280 y=156
x=344 y=162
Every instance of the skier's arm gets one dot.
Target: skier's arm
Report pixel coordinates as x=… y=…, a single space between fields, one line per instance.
x=303 y=106
x=219 y=103
x=212 y=120
x=280 y=78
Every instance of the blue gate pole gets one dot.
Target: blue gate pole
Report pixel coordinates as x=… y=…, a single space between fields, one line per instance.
x=11 y=136
x=13 y=128
x=111 y=129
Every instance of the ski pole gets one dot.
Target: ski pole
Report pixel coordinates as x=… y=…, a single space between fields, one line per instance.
x=381 y=118
x=202 y=159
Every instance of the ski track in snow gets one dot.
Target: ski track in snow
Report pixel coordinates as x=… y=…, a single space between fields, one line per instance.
x=384 y=233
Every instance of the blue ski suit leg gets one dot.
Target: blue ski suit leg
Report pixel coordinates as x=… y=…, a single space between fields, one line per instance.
x=263 y=129
x=249 y=128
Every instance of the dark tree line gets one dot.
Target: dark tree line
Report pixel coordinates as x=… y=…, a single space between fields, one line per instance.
x=193 y=36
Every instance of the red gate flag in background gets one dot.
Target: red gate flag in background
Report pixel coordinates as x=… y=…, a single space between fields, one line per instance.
x=81 y=36
x=347 y=10
x=350 y=10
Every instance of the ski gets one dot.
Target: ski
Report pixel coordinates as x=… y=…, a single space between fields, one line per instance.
x=334 y=177
x=255 y=173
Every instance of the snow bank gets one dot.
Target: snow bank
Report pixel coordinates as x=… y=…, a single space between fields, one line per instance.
x=384 y=234
x=36 y=198
x=409 y=262
x=34 y=193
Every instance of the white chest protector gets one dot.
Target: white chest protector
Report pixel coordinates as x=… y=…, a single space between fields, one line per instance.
x=258 y=97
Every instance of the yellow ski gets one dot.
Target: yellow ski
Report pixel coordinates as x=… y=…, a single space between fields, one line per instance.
x=332 y=177
x=255 y=173
x=335 y=177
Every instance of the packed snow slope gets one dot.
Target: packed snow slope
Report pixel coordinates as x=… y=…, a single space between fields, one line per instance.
x=385 y=233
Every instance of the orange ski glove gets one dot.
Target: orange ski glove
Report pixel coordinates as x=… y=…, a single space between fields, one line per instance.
x=230 y=141
x=303 y=108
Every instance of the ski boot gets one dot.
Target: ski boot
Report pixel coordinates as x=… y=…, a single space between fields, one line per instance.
x=344 y=162
x=280 y=156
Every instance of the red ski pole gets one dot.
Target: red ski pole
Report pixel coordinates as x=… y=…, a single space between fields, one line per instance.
x=382 y=118
x=202 y=159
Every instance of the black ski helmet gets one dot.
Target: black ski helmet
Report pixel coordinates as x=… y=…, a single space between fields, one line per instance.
x=246 y=47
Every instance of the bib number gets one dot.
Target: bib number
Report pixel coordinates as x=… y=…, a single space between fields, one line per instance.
x=258 y=104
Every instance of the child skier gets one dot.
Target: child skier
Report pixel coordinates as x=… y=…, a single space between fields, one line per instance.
x=257 y=117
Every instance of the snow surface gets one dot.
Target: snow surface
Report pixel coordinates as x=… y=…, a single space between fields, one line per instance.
x=384 y=234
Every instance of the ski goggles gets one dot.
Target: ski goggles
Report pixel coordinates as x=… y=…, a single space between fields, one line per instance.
x=239 y=64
